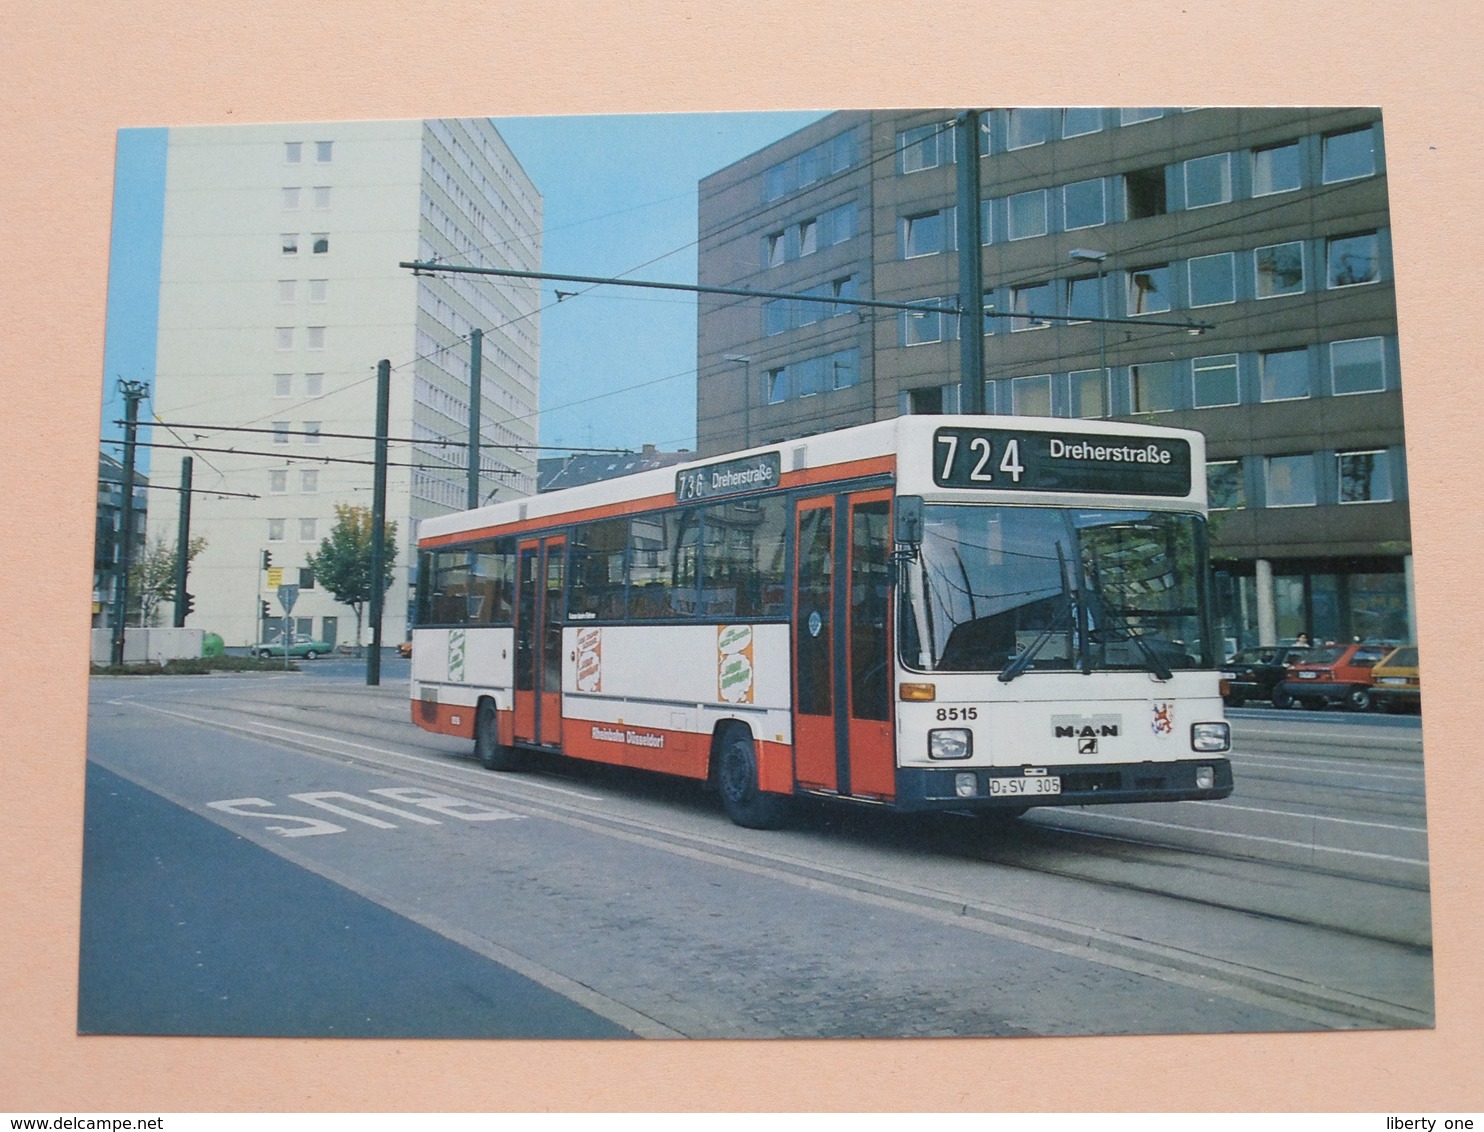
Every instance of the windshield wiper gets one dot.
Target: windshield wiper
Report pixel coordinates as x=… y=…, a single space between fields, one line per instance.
x=1106 y=612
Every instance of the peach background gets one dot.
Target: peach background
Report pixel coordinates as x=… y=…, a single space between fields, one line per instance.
x=75 y=72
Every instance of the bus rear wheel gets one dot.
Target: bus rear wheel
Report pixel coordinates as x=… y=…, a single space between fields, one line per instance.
x=736 y=779
x=487 y=747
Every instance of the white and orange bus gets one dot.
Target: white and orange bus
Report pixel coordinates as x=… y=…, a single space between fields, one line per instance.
x=981 y=613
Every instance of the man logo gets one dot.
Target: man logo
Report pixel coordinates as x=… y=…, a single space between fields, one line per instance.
x=1085 y=727
x=1087 y=746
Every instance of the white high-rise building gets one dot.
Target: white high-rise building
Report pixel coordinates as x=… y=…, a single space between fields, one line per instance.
x=280 y=291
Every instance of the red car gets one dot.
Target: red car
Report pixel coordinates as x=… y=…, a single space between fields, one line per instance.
x=1332 y=674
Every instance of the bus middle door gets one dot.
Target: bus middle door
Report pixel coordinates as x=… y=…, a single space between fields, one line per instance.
x=539 y=611
x=843 y=739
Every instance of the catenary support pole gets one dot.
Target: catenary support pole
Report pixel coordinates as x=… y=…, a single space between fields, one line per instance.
x=378 y=517
x=970 y=266
x=476 y=413
x=133 y=392
x=183 y=542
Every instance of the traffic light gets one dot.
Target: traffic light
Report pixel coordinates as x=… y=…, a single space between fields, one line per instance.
x=267 y=562
x=190 y=603
x=265 y=614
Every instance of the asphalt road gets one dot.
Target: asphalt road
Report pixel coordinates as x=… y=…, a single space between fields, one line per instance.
x=308 y=822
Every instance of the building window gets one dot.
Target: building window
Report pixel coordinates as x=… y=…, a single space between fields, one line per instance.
x=1149 y=289
x=289 y=243
x=1079 y=120
x=1144 y=193
x=1208 y=180
x=808 y=237
x=306 y=578
x=777 y=385
x=1276 y=169
x=321 y=197
x=1082 y=298
x=1132 y=115
x=314 y=337
x=290 y=199
x=1153 y=387
x=1213 y=279
x=308 y=530
x=1354 y=260
x=1083 y=204
x=319 y=290
x=278 y=481
x=823 y=160
x=1280 y=269
x=1030 y=303
x=845 y=368
x=1029 y=126
x=283 y=337
x=1349 y=155
x=323 y=151
x=319 y=243
x=1289 y=480
x=314 y=384
x=1089 y=393
x=925 y=147
x=280 y=432
x=1027 y=214
x=1031 y=396
x=921 y=327
x=293 y=152
x=775 y=246
x=286 y=289
x=1364 y=477
x=1214 y=381
x=926 y=234
x=777 y=316
x=1357 y=366
x=275 y=530
x=309 y=481
x=283 y=385
x=311 y=432
x=1285 y=375
x=1224 y=488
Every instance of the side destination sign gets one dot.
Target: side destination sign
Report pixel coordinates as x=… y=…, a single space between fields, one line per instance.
x=1000 y=459
x=731 y=477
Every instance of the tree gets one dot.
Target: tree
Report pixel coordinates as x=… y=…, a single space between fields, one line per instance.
x=152 y=575
x=343 y=562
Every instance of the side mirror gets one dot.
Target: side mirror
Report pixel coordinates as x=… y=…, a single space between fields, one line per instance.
x=907 y=520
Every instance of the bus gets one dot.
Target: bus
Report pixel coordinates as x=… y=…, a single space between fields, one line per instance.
x=968 y=613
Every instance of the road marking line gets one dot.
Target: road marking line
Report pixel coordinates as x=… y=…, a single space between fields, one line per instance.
x=1311 y=847
x=254 y=731
x=1308 y=817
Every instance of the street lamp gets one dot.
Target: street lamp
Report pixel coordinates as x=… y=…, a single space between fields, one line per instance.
x=1090 y=255
x=745 y=361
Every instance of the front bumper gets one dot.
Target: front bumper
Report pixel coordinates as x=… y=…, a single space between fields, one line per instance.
x=1083 y=784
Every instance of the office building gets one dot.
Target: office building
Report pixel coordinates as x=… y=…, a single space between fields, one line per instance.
x=281 y=291
x=1243 y=257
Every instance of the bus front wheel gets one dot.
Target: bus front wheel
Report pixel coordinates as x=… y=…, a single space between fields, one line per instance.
x=487 y=747
x=736 y=778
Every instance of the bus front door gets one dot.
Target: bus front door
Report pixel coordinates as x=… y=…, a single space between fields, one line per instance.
x=843 y=738
x=539 y=609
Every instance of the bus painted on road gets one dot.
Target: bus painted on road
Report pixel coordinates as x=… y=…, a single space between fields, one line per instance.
x=945 y=612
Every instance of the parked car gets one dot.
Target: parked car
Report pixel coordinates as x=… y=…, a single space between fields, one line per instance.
x=1253 y=673
x=1395 y=685
x=1333 y=674
x=307 y=649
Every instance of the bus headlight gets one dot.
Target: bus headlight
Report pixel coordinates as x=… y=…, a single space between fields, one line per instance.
x=1210 y=737
x=950 y=743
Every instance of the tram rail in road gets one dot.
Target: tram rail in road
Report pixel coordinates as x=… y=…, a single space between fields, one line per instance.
x=1198 y=891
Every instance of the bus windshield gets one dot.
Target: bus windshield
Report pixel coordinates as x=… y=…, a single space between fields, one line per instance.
x=1018 y=589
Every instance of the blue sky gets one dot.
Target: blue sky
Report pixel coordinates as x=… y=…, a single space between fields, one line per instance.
x=619 y=196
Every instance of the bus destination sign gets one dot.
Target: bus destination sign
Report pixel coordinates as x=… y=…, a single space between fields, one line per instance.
x=1003 y=459
x=730 y=477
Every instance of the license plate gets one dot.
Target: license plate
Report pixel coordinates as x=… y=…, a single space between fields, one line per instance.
x=1392 y=680
x=1019 y=787
x=1228 y=675
x=1308 y=676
